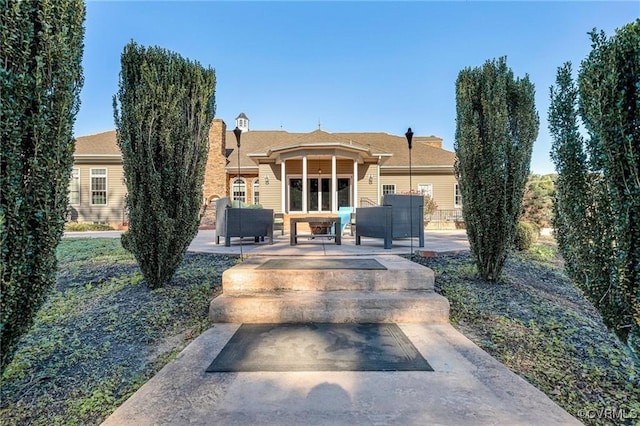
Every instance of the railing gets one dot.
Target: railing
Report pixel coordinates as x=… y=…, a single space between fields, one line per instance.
x=440 y=219
x=445 y=219
x=367 y=202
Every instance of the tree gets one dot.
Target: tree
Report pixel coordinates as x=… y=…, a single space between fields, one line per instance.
x=598 y=194
x=41 y=44
x=496 y=126
x=537 y=203
x=163 y=110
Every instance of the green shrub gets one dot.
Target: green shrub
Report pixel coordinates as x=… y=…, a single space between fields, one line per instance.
x=496 y=125
x=40 y=80
x=597 y=206
x=526 y=235
x=125 y=240
x=163 y=111
x=537 y=203
x=83 y=227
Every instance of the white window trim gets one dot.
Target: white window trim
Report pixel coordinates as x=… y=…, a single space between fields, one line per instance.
x=430 y=192
x=395 y=188
x=234 y=187
x=456 y=205
x=79 y=186
x=254 y=184
x=106 y=186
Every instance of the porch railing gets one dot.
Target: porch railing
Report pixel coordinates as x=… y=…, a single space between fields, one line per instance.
x=367 y=202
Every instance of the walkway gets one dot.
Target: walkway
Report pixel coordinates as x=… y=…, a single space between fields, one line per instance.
x=467 y=386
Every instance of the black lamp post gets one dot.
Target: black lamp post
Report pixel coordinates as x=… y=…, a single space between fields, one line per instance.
x=409 y=136
x=238 y=133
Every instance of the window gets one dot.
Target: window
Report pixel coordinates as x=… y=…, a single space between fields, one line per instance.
x=389 y=189
x=457 y=196
x=99 y=187
x=425 y=189
x=295 y=194
x=256 y=191
x=74 y=187
x=239 y=189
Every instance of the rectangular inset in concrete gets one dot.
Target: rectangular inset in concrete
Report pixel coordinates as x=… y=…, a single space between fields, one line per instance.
x=319 y=347
x=322 y=264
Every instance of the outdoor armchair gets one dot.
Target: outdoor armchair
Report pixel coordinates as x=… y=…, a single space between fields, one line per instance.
x=400 y=216
x=242 y=222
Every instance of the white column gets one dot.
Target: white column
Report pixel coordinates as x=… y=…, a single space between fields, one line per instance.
x=283 y=191
x=334 y=184
x=378 y=171
x=355 y=183
x=304 y=184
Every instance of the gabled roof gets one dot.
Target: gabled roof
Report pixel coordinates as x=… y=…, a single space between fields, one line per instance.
x=265 y=142
x=423 y=153
x=262 y=143
x=97 y=145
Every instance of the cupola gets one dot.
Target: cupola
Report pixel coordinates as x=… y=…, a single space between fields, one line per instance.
x=242 y=122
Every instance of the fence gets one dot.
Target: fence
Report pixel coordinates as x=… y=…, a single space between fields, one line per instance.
x=445 y=219
x=440 y=219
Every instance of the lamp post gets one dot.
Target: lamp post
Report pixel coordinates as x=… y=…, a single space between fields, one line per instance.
x=238 y=134
x=409 y=136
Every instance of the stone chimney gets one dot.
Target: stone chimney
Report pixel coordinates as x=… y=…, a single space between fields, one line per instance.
x=214 y=174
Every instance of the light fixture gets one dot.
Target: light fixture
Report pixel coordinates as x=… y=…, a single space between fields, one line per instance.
x=409 y=136
x=266 y=180
x=370 y=179
x=238 y=133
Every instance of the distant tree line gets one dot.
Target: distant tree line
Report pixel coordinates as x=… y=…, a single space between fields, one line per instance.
x=537 y=203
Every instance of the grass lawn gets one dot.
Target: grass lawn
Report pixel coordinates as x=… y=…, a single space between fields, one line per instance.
x=102 y=333
x=542 y=328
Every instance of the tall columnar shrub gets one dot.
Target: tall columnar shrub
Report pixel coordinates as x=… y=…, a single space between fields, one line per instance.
x=163 y=110
x=496 y=126
x=41 y=44
x=598 y=195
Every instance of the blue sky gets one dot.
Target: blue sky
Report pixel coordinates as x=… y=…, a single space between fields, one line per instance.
x=352 y=66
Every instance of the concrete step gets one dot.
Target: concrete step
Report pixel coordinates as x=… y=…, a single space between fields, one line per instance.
x=399 y=275
x=332 y=307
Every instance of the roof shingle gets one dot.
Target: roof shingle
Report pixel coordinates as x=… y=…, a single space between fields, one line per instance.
x=261 y=141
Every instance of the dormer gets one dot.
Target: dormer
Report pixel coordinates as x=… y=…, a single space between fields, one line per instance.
x=242 y=122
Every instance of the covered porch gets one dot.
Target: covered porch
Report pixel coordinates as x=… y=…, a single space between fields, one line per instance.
x=318 y=178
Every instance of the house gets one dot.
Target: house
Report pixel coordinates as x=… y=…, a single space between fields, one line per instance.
x=97 y=189
x=292 y=173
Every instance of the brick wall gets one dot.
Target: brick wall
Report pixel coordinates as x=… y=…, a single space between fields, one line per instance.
x=214 y=176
